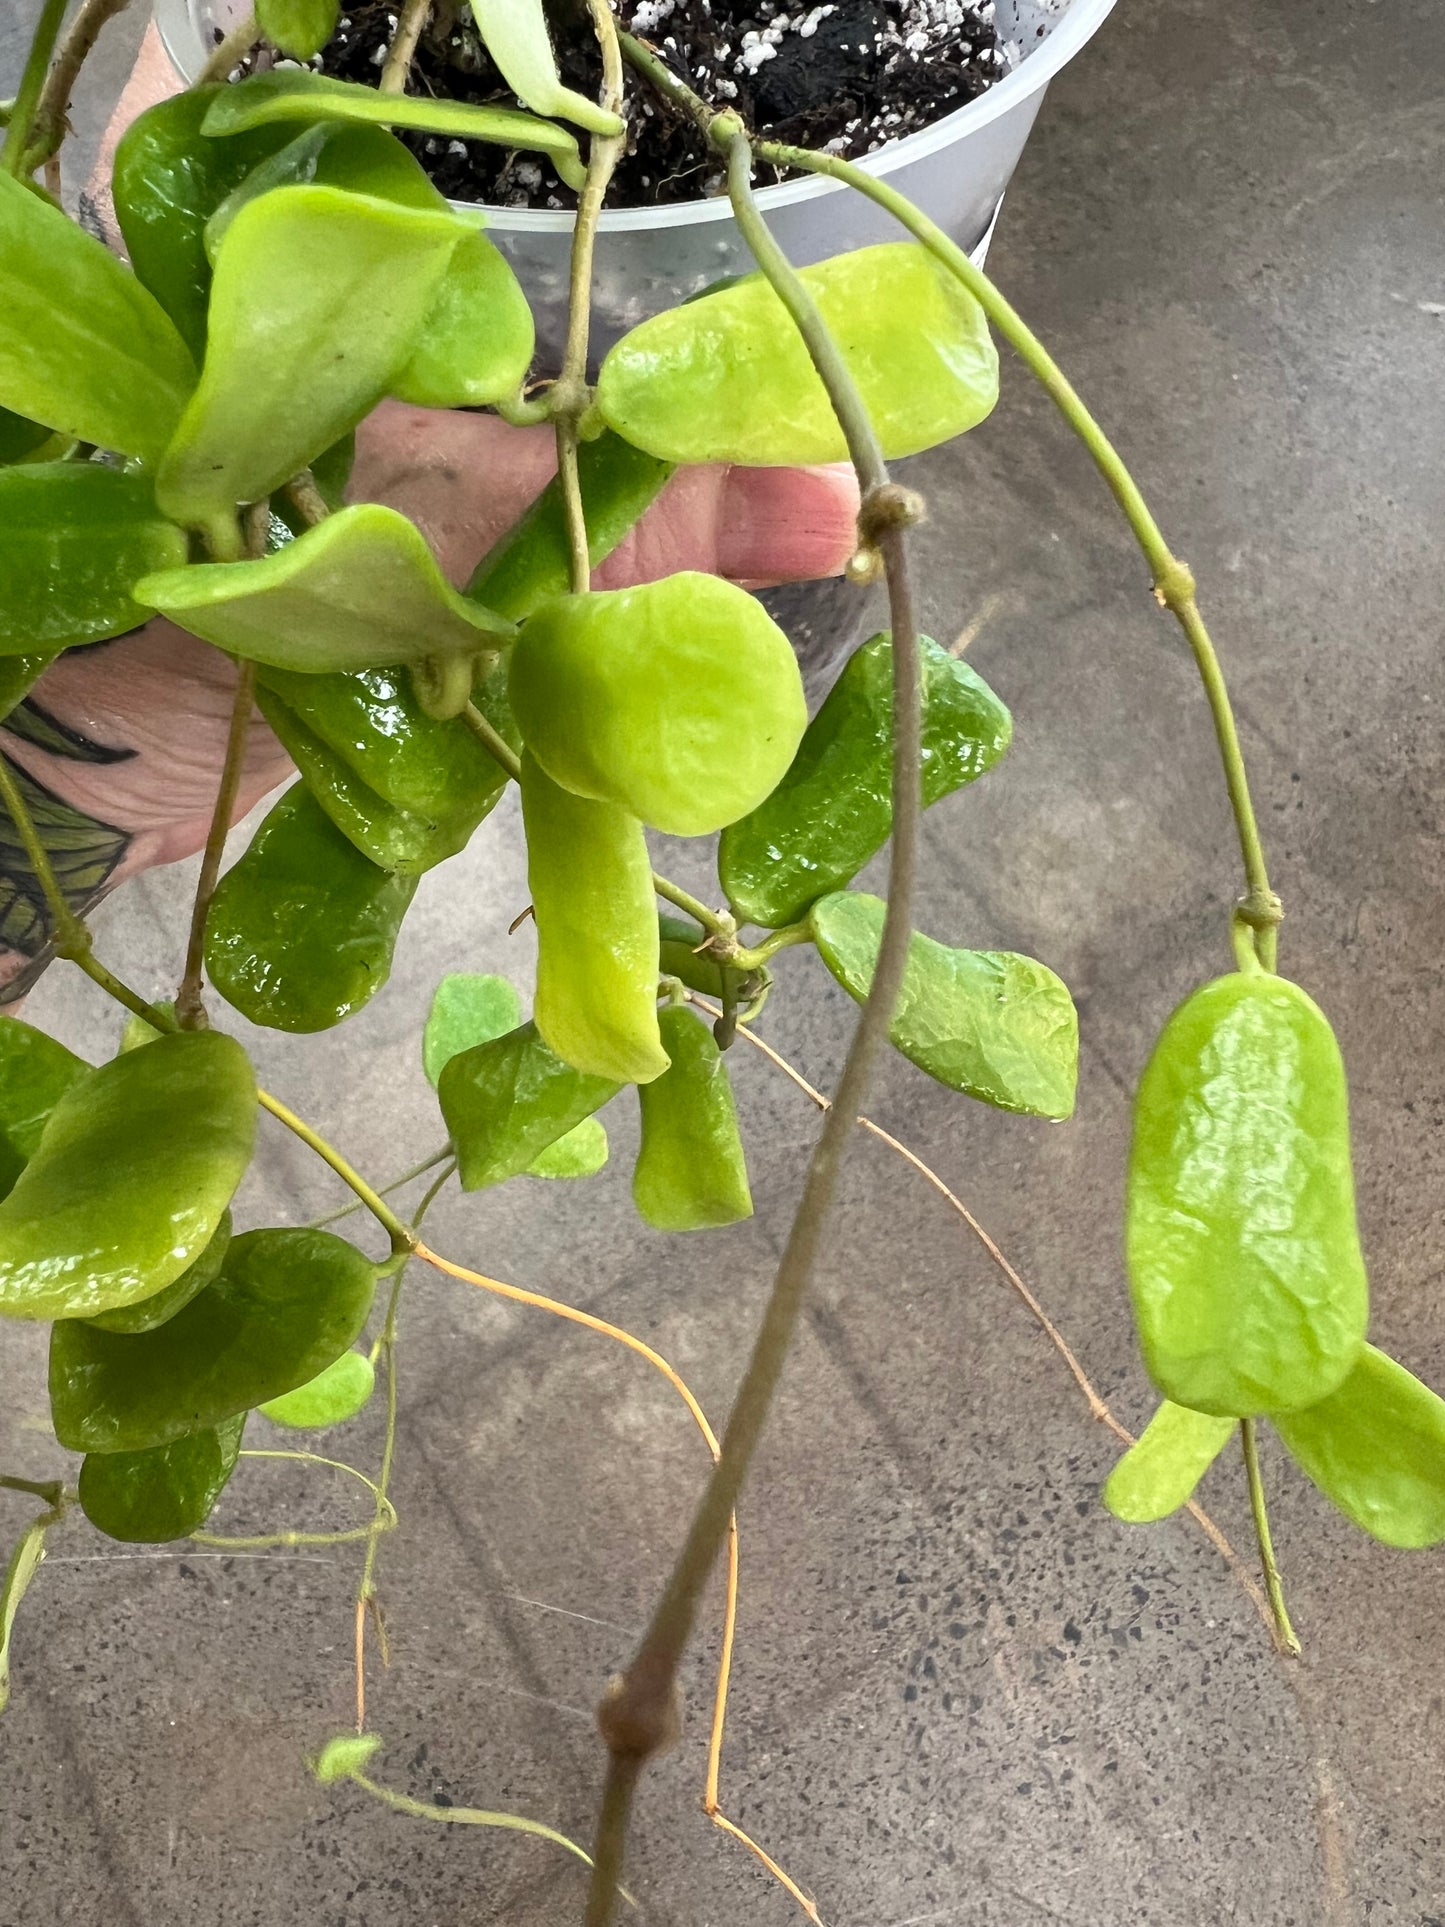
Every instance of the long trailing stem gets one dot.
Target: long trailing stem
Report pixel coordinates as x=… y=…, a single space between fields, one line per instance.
x=190 y=1011
x=1284 y=1632
x=410 y=27
x=51 y=124
x=32 y=81
x=638 y=1714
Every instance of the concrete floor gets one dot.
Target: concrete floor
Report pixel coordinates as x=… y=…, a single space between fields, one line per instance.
x=964 y=1696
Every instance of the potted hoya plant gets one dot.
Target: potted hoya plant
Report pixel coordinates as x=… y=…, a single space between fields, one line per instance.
x=177 y=442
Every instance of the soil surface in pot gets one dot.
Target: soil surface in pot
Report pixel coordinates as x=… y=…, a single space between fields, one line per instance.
x=847 y=76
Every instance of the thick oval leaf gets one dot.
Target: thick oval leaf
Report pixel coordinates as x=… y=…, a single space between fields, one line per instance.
x=680 y=700
x=168 y=1492
x=1376 y=1447
x=1249 y=1289
x=77 y=538
x=301 y=930
x=515 y=33
x=35 y=1073
x=167 y=181
x=83 y=347
x=330 y=1398
x=508 y=1100
x=361 y=590
x=466 y=1009
x=318 y=300
x=597 y=939
x=1161 y=1469
x=299 y=28
x=292 y=94
x=153 y=1311
x=286 y=1304
x=582 y=1153
x=690 y=1172
x=532 y=562
x=133 y=1171
x=833 y=809
x=995 y=1025
x=727 y=378
x=680 y=955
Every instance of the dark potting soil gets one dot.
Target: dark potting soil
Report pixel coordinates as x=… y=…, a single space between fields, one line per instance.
x=847 y=76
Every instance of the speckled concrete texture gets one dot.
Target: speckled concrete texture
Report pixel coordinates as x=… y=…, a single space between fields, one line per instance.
x=964 y=1696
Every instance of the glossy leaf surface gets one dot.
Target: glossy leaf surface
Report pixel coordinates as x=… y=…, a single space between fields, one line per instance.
x=299 y=28
x=318 y=300
x=597 y=938
x=680 y=701
x=508 y=1100
x=359 y=591
x=153 y=1311
x=294 y=95
x=1376 y=1447
x=77 y=537
x=84 y=348
x=727 y=378
x=35 y=1073
x=690 y=1172
x=1244 y=1264
x=833 y=809
x=532 y=562
x=168 y=179
x=18 y=676
x=516 y=36
x=332 y=1397
x=1160 y=1470
x=995 y=1025
x=134 y=1169
x=165 y=1493
x=302 y=929
x=286 y=1304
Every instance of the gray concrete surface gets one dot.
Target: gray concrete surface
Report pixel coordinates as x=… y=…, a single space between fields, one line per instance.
x=964 y=1696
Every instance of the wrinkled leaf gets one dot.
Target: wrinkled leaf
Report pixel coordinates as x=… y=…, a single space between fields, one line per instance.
x=995 y=1025
x=77 y=537
x=833 y=809
x=167 y=1492
x=344 y=1755
x=35 y=1073
x=83 y=347
x=302 y=928
x=727 y=379
x=286 y=1304
x=333 y=1396
x=1376 y=1448
x=361 y=590
x=1249 y=1290
x=516 y=36
x=690 y=1172
x=508 y=1100
x=299 y=28
x=134 y=1169
x=318 y=300
x=1161 y=1469
x=597 y=937
x=288 y=94
x=155 y=1310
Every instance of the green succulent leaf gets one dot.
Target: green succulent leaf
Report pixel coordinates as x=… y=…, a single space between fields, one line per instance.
x=833 y=810
x=77 y=536
x=301 y=930
x=516 y=36
x=318 y=301
x=299 y=28
x=1249 y=1289
x=134 y=1168
x=18 y=676
x=582 y=1153
x=1376 y=1448
x=690 y=1173
x=139 y=1030
x=359 y=591
x=509 y=1100
x=345 y=1755
x=35 y=1073
x=167 y=181
x=167 y=1492
x=23 y=1565
x=995 y=1025
x=728 y=379
x=286 y=1304
x=84 y=348
x=332 y=1397
x=1161 y=1468
x=290 y=94
x=154 y=1311
x=680 y=955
